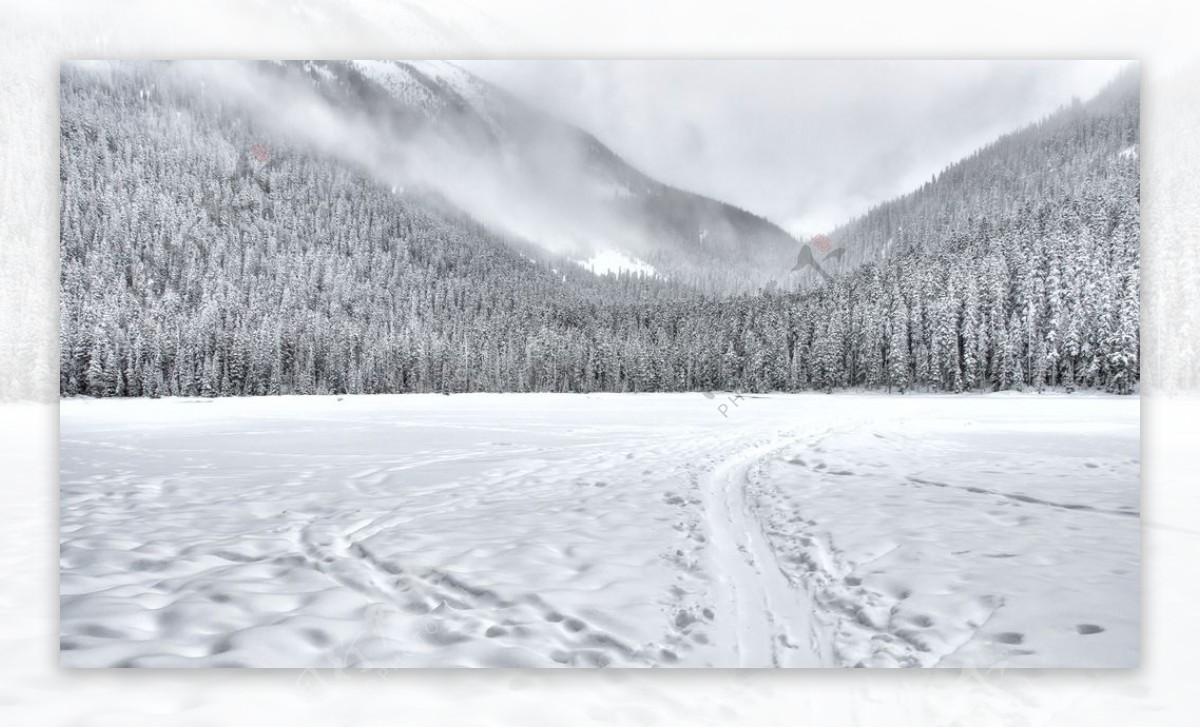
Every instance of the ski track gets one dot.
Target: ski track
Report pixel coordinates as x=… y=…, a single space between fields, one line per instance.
x=767 y=618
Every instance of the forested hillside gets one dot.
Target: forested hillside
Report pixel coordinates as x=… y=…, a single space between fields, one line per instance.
x=431 y=125
x=191 y=266
x=1060 y=157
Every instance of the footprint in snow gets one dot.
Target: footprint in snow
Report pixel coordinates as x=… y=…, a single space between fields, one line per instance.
x=1010 y=638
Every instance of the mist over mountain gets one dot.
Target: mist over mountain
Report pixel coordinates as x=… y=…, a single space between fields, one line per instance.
x=434 y=379
x=1085 y=148
x=239 y=228
x=431 y=127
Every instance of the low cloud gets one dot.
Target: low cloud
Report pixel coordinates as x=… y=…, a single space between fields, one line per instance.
x=807 y=144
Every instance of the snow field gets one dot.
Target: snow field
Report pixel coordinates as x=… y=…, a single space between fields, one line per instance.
x=596 y=530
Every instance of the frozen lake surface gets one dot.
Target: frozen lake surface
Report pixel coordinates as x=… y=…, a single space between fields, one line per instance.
x=625 y=530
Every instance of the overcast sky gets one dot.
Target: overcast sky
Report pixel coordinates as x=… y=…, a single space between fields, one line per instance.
x=807 y=144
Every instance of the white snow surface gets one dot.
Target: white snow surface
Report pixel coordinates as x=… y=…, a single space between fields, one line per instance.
x=614 y=261
x=626 y=530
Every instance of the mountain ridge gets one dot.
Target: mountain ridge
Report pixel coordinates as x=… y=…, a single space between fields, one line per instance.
x=1109 y=116
x=678 y=232
x=211 y=245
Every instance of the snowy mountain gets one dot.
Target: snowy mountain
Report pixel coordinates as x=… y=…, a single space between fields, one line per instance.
x=528 y=174
x=249 y=229
x=1080 y=149
x=402 y=231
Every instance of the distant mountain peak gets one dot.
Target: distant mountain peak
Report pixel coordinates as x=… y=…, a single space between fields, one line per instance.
x=571 y=193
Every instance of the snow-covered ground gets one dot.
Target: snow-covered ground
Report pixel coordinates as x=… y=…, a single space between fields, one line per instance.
x=625 y=530
x=614 y=261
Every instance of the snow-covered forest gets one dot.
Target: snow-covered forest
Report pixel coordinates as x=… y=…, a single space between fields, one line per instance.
x=203 y=255
x=234 y=230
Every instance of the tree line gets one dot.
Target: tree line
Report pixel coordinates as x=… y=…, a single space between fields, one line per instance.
x=183 y=274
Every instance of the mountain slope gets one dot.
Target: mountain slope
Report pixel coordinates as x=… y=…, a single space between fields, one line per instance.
x=1082 y=147
x=267 y=234
x=521 y=171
